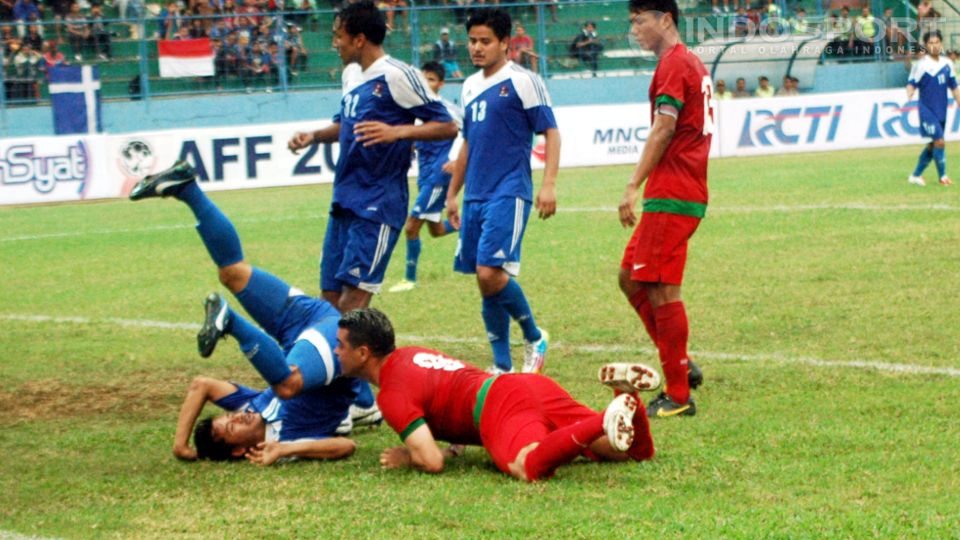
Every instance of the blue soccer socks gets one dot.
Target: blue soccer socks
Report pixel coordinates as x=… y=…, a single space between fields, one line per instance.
x=925 y=156
x=265 y=298
x=413 y=255
x=215 y=229
x=497 y=322
x=940 y=158
x=260 y=349
x=514 y=301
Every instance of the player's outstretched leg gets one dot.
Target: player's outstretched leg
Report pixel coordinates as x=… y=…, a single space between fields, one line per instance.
x=626 y=378
x=926 y=156
x=673 y=332
x=559 y=448
x=260 y=349
x=215 y=229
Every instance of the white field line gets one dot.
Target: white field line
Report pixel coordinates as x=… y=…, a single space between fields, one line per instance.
x=586 y=348
x=588 y=209
x=10 y=535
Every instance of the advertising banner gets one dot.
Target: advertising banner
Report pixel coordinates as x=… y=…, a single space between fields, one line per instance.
x=54 y=169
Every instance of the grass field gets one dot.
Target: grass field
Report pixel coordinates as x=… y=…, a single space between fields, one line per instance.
x=815 y=288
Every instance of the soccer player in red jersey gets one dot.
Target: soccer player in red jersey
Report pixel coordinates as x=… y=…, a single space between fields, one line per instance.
x=527 y=423
x=674 y=165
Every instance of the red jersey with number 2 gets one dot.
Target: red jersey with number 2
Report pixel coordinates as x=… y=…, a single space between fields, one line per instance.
x=418 y=385
x=682 y=81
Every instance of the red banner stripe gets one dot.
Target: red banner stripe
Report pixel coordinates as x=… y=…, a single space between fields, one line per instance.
x=185 y=48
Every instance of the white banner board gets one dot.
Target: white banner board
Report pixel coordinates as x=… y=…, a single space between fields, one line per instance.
x=53 y=169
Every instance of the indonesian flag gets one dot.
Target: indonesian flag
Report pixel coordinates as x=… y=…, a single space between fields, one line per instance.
x=185 y=57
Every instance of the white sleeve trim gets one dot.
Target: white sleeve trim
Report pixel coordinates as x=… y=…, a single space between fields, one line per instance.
x=407 y=85
x=530 y=88
x=315 y=338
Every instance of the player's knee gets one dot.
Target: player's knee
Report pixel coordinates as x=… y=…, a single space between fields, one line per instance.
x=939 y=143
x=491 y=279
x=288 y=388
x=627 y=285
x=235 y=276
x=411 y=230
x=199 y=383
x=436 y=229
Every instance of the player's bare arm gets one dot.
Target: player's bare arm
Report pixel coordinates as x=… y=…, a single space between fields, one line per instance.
x=420 y=452
x=664 y=126
x=301 y=139
x=546 y=202
x=456 y=182
x=371 y=132
x=910 y=91
x=200 y=391
x=268 y=453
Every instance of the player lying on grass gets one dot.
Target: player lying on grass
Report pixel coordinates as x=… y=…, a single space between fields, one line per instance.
x=527 y=423
x=261 y=427
x=294 y=356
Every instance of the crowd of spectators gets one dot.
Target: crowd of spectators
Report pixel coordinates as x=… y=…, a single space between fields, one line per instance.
x=790 y=86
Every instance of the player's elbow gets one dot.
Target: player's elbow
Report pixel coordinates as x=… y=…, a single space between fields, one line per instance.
x=448 y=130
x=344 y=448
x=432 y=464
x=199 y=384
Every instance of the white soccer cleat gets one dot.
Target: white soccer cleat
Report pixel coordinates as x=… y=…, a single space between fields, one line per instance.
x=345 y=427
x=916 y=180
x=535 y=353
x=494 y=370
x=945 y=181
x=365 y=416
x=629 y=378
x=403 y=286
x=618 y=421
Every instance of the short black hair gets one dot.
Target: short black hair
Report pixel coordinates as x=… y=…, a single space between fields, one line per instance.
x=436 y=68
x=370 y=327
x=207 y=446
x=932 y=34
x=364 y=18
x=497 y=19
x=764 y=78
x=661 y=6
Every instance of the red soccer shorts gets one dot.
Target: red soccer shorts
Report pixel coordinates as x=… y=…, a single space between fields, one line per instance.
x=522 y=409
x=657 y=251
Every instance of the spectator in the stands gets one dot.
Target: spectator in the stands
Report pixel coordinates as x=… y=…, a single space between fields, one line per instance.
x=445 y=52
x=226 y=61
x=274 y=60
x=788 y=88
x=34 y=37
x=740 y=91
x=865 y=33
x=244 y=28
x=894 y=38
x=256 y=67
x=219 y=30
x=586 y=47
x=99 y=33
x=9 y=41
x=521 y=48
x=78 y=31
x=171 y=20
x=182 y=34
x=764 y=89
x=52 y=55
x=843 y=26
x=26 y=67
x=720 y=91
x=24 y=12
x=741 y=24
x=927 y=16
x=295 y=50
x=197 y=29
x=799 y=24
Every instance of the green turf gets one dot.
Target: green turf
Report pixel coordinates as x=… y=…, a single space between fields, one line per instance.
x=828 y=257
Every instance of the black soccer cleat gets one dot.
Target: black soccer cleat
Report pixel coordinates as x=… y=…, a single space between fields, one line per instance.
x=215 y=321
x=694 y=375
x=664 y=407
x=164 y=183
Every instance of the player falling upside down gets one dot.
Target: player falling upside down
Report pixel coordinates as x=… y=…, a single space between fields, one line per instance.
x=294 y=356
x=504 y=106
x=932 y=74
x=382 y=98
x=433 y=161
x=674 y=165
x=528 y=424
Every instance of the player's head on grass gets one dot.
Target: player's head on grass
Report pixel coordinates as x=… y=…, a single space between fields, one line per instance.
x=650 y=25
x=488 y=32
x=357 y=29
x=933 y=42
x=365 y=337
x=227 y=437
x=435 y=74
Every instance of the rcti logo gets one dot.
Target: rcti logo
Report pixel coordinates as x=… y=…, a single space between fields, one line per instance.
x=891 y=120
x=788 y=126
x=20 y=164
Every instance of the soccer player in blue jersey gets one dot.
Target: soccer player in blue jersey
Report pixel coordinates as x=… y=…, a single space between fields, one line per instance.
x=504 y=106
x=933 y=74
x=262 y=427
x=294 y=354
x=433 y=160
x=382 y=99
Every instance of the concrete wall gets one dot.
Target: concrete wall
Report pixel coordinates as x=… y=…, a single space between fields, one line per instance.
x=259 y=108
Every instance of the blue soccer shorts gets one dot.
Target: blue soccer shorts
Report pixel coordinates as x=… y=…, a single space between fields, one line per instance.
x=355 y=253
x=491 y=233
x=430 y=203
x=932 y=127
